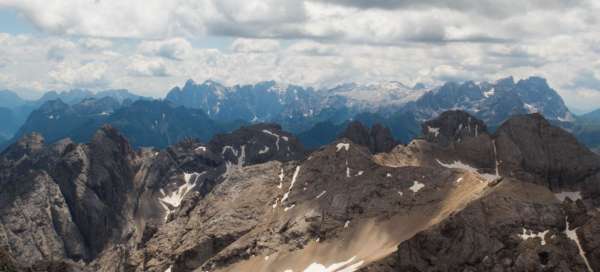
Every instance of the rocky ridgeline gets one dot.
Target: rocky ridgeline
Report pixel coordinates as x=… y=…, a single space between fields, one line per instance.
x=458 y=198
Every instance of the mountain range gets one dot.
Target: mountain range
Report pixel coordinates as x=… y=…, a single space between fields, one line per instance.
x=15 y=110
x=316 y=116
x=458 y=197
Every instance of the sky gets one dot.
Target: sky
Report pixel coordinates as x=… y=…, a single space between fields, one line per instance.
x=150 y=46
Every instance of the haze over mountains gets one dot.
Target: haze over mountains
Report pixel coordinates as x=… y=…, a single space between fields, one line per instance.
x=317 y=116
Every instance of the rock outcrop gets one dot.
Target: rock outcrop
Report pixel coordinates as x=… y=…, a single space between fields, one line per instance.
x=378 y=139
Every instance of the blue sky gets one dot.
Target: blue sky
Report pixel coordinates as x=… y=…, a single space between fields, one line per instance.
x=150 y=46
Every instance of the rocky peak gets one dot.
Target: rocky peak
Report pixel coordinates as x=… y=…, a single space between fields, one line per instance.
x=506 y=82
x=357 y=133
x=378 y=139
x=109 y=137
x=256 y=144
x=452 y=126
x=537 y=151
x=27 y=145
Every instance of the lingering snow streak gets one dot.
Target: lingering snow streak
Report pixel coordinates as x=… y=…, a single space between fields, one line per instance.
x=346 y=266
x=201 y=148
x=289 y=208
x=417 y=186
x=572 y=195
x=264 y=150
x=294 y=177
x=321 y=194
x=466 y=167
x=241 y=159
x=347 y=170
x=174 y=199
x=341 y=146
x=496 y=158
x=274 y=135
x=281 y=176
x=489 y=93
x=572 y=234
x=434 y=130
x=530 y=234
x=230 y=148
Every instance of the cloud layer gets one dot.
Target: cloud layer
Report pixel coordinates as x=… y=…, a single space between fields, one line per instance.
x=151 y=45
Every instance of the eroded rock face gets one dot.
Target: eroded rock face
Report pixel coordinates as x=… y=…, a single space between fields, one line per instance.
x=253 y=200
x=515 y=227
x=258 y=144
x=531 y=149
x=451 y=127
x=378 y=139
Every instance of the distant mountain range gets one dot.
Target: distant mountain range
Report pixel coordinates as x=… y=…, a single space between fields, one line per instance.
x=146 y=122
x=316 y=116
x=15 y=110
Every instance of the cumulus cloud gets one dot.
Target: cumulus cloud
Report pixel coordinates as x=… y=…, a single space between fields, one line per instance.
x=141 y=66
x=96 y=44
x=175 y=48
x=243 y=45
x=312 y=42
x=89 y=75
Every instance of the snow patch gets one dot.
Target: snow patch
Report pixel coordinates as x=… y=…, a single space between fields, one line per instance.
x=347 y=224
x=321 y=194
x=435 y=131
x=360 y=173
x=347 y=170
x=266 y=131
x=169 y=269
x=417 y=186
x=281 y=175
x=572 y=234
x=289 y=208
x=531 y=108
x=530 y=234
x=489 y=93
x=462 y=166
x=388 y=175
x=173 y=200
x=342 y=145
x=574 y=196
x=264 y=150
x=294 y=177
x=230 y=148
x=346 y=266
x=241 y=159
x=201 y=148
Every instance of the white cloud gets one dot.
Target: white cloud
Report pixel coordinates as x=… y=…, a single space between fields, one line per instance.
x=95 y=43
x=89 y=75
x=243 y=45
x=175 y=48
x=314 y=42
x=145 y=67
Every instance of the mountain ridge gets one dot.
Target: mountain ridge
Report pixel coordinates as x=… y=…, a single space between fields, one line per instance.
x=254 y=200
